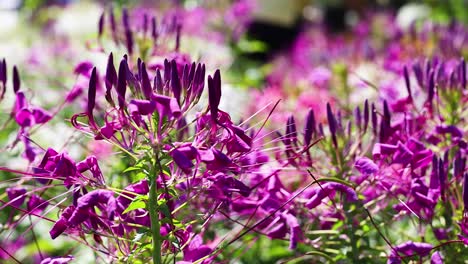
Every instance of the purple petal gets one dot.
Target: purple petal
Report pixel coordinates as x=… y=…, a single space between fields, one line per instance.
x=36 y=204
x=40 y=115
x=16 y=195
x=366 y=166
x=57 y=260
x=83 y=68
x=24 y=118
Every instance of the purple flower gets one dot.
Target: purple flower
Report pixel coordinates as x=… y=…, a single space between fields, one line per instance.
x=410 y=247
x=83 y=68
x=62 y=223
x=196 y=250
x=326 y=190
x=17 y=195
x=142 y=107
x=57 y=260
x=36 y=204
x=436 y=258
x=90 y=200
x=182 y=158
x=366 y=166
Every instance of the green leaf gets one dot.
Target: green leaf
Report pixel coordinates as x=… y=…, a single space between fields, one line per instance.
x=135 y=204
x=131 y=169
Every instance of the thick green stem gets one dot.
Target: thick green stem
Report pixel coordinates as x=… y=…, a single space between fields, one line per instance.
x=155 y=225
x=154 y=213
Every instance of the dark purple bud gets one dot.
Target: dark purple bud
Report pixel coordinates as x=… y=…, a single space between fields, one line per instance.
x=2 y=79
x=154 y=29
x=465 y=191
x=145 y=82
x=158 y=82
x=191 y=74
x=349 y=127
x=167 y=71
x=3 y=72
x=132 y=79
x=442 y=178
x=387 y=115
x=214 y=94
x=407 y=82
x=460 y=165
x=366 y=116
x=125 y=19
x=309 y=128
x=129 y=38
x=175 y=81
x=112 y=23
x=185 y=76
x=92 y=92
x=332 y=124
x=434 y=180
x=182 y=129
x=200 y=80
x=178 y=30
x=145 y=24
x=463 y=73
x=374 y=119
x=16 y=80
x=122 y=83
x=430 y=88
x=139 y=69
x=291 y=130
x=101 y=25
x=357 y=115
x=111 y=78
x=418 y=72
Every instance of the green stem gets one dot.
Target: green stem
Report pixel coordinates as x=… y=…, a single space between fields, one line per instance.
x=154 y=216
